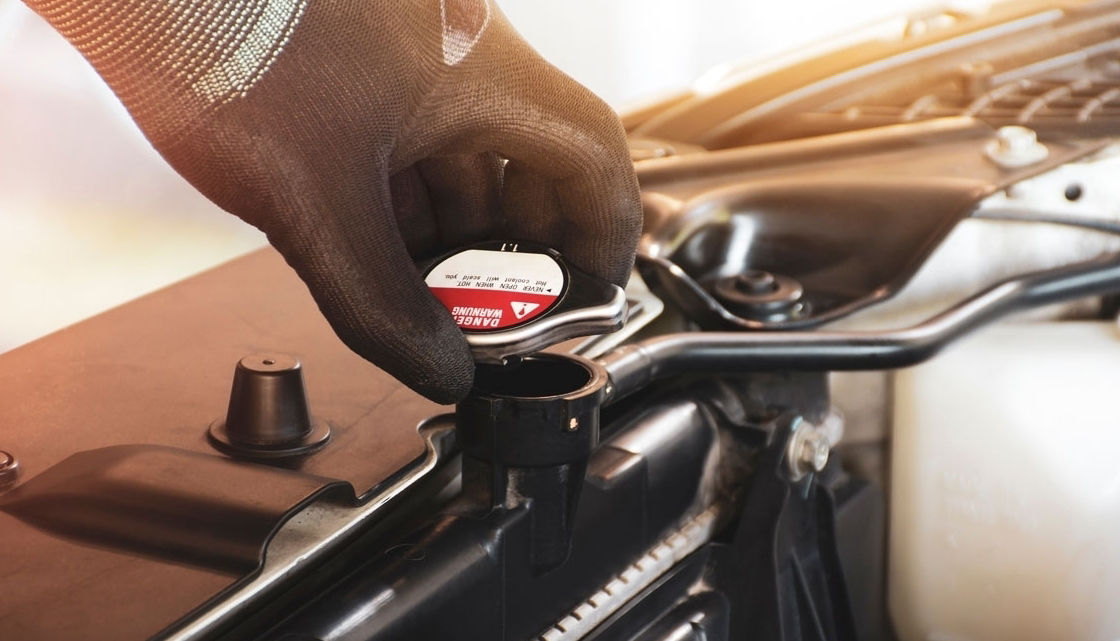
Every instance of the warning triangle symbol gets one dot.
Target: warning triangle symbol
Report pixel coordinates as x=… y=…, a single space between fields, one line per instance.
x=521 y=309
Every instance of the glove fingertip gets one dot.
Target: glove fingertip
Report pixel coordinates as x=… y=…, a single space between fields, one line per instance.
x=450 y=383
x=435 y=364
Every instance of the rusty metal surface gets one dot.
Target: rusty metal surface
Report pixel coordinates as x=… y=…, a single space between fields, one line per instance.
x=102 y=531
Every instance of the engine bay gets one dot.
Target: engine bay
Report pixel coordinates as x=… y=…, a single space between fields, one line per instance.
x=795 y=434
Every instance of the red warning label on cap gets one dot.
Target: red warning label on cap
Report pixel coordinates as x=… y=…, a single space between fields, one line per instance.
x=487 y=290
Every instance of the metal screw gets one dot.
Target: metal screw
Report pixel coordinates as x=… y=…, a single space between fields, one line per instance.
x=9 y=469
x=814 y=450
x=807 y=451
x=573 y=424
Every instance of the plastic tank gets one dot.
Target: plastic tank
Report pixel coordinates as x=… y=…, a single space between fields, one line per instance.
x=1005 y=495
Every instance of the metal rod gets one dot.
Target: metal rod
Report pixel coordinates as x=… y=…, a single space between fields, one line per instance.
x=1080 y=221
x=634 y=366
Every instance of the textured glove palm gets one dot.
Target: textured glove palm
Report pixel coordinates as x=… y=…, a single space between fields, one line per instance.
x=360 y=135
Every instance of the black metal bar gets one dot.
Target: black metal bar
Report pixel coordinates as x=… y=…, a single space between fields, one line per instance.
x=631 y=367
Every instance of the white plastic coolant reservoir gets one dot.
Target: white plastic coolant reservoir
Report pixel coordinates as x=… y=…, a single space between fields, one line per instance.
x=1005 y=495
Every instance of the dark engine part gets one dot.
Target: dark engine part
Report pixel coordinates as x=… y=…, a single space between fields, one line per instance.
x=527 y=431
x=759 y=295
x=781 y=562
x=465 y=574
x=636 y=365
x=640 y=566
x=849 y=218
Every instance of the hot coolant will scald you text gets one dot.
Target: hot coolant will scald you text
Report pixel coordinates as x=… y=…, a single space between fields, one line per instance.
x=486 y=289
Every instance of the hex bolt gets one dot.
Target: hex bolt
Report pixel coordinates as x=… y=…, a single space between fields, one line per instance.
x=1015 y=146
x=807 y=451
x=760 y=295
x=814 y=450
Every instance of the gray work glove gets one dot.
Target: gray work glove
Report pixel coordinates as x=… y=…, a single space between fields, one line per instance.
x=363 y=134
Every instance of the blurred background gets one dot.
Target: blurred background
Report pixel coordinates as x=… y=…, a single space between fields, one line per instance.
x=91 y=217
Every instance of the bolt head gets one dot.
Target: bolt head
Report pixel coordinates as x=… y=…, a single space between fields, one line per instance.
x=814 y=451
x=756 y=281
x=1013 y=138
x=807 y=451
x=1015 y=146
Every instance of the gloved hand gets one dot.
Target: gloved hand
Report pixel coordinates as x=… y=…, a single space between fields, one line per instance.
x=360 y=135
